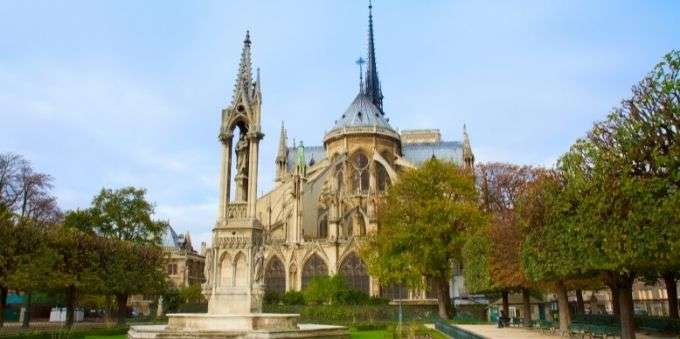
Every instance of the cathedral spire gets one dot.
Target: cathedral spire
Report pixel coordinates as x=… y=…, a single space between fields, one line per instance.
x=244 y=78
x=372 y=82
x=282 y=155
x=468 y=156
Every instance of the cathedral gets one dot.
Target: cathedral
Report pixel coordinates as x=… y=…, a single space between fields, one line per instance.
x=325 y=198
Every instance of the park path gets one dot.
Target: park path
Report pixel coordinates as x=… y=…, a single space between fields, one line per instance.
x=493 y=332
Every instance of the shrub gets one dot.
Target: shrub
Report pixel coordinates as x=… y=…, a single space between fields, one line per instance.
x=271 y=297
x=293 y=298
x=325 y=290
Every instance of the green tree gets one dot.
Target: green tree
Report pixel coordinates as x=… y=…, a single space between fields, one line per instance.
x=615 y=211
x=131 y=260
x=421 y=228
x=26 y=208
x=125 y=214
x=77 y=267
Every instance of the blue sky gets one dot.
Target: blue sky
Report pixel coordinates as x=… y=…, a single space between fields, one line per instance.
x=116 y=93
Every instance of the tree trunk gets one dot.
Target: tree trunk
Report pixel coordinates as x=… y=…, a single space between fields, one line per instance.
x=626 y=308
x=616 y=310
x=27 y=311
x=443 y=299
x=526 y=303
x=506 y=305
x=580 y=306
x=121 y=301
x=70 y=306
x=672 y=292
x=4 y=291
x=563 y=306
x=108 y=309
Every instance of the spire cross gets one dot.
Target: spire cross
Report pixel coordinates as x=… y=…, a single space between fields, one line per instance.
x=361 y=63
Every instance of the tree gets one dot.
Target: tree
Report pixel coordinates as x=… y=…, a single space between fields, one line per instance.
x=26 y=206
x=77 y=269
x=492 y=254
x=421 y=226
x=132 y=268
x=615 y=213
x=125 y=214
x=132 y=260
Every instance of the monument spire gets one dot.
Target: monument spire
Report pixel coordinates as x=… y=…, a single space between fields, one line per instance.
x=244 y=78
x=372 y=82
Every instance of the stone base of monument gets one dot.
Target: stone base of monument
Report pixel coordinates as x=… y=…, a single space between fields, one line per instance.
x=241 y=326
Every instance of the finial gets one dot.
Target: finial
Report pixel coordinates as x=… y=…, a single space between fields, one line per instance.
x=247 y=39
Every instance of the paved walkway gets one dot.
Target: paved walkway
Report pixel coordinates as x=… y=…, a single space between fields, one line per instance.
x=493 y=332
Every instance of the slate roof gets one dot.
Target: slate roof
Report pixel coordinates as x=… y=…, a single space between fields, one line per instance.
x=417 y=153
x=170 y=238
x=362 y=112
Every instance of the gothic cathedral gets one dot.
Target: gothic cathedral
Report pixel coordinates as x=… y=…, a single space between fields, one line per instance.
x=325 y=198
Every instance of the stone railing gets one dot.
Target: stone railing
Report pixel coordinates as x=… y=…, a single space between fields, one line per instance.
x=237 y=210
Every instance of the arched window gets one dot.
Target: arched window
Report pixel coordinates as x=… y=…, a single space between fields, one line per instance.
x=360 y=172
x=240 y=272
x=353 y=270
x=226 y=271
x=394 y=291
x=275 y=276
x=322 y=224
x=314 y=267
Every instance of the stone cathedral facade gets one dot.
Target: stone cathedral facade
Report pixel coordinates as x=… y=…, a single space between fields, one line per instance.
x=325 y=198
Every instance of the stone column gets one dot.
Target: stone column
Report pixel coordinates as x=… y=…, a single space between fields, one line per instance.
x=252 y=172
x=225 y=176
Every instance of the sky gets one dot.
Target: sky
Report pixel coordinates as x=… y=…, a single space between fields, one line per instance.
x=119 y=93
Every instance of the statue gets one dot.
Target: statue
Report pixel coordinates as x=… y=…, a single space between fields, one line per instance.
x=241 y=155
x=259 y=264
x=207 y=269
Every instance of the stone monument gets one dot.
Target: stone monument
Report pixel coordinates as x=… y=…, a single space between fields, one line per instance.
x=234 y=267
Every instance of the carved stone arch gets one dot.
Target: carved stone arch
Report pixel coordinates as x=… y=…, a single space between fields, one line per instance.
x=240 y=268
x=240 y=121
x=225 y=270
x=353 y=270
x=386 y=165
x=314 y=266
x=346 y=222
x=275 y=275
x=315 y=248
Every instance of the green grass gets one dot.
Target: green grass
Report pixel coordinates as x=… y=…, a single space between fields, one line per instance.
x=121 y=336
x=370 y=334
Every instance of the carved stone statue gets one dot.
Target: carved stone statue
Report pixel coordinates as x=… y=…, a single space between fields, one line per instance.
x=242 y=155
x=207 y=270
x=259 y=264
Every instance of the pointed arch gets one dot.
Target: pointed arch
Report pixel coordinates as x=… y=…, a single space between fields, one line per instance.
x=354 y=271
x=240 y=270
x=225 y=274
x=275 y=276
x=314 y=267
